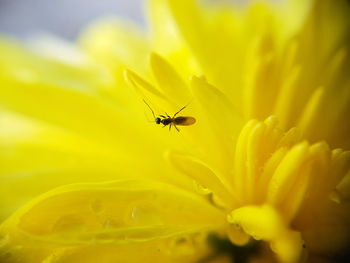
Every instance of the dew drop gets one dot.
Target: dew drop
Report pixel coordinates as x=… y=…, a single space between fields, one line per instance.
x=256 y=237
x=200 y=188
x=230 y=218
x=218 y=201
x=237 y=236
x=144 y=214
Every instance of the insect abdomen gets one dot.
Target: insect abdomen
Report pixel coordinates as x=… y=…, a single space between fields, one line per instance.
x=184 y=121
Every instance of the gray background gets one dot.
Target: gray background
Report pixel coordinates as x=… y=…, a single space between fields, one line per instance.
x=65 y=18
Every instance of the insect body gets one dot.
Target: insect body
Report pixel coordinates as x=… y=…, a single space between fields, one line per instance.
x=173 y=121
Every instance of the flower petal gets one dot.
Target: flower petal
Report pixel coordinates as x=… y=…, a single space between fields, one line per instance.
x=169 y=80
x=286 y=173
x=95 y=209
x=203 y=175
x=108 y=213
x=221 y=35
x=264 y=222
x=216 y=110
x=175 y=249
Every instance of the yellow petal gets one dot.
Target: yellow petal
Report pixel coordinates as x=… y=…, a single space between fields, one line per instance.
x=203 y=175
x=167 y=40
x=94 y=208
x=264 y=223
x=216 y=110
x=221 y=35
x=108 y=213
x=142 y=85
x=146 y=252
x=237 y=235
x=177 y=249
x=169 y=80
x=77 y=111
x=36 y=157
x=286 y=173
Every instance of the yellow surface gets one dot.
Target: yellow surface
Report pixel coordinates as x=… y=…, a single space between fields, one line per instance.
x=87 y=176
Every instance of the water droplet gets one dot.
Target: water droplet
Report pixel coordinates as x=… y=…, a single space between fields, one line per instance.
x=200 y=188
x=218 y=201
x=144 y=214
x=237 y=236
x=230 y=218
x=256 y=236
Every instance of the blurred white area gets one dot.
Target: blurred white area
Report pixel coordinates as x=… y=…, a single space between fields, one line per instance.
x=64 y=18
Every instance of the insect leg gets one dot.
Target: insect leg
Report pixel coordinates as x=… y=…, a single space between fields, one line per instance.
x=169 y=126
x=176 y=128
x=167 y=115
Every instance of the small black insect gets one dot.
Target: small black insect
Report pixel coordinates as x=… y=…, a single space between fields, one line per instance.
x=172 y=121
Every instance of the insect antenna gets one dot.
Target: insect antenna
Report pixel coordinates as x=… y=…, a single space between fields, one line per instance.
x=150 y=109
x=184 y=107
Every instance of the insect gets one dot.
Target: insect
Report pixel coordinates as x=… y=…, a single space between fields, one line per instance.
x=172 y=121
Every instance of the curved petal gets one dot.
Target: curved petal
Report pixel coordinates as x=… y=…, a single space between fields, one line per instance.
x=185 y=249
x=105 y=209
x=203 y=175
x=265 y=223
x=112 y=213
x=169 y=80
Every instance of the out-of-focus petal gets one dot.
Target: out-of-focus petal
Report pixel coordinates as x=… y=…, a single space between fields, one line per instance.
x=108 y=213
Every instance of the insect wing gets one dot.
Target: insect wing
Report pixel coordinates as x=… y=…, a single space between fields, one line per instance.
x=184 y=121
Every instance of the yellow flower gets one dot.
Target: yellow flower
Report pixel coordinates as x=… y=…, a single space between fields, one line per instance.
x=92 y=181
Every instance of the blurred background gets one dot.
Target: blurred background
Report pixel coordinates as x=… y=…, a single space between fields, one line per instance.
x=65 y=18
